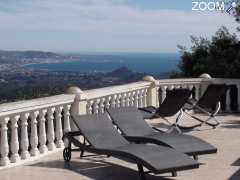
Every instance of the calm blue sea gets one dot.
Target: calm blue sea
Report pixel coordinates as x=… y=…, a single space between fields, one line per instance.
x=156 y=63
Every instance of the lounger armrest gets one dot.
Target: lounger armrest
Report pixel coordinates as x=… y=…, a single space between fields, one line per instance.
x=73 y=133
x=149 y=109
x=156 y=129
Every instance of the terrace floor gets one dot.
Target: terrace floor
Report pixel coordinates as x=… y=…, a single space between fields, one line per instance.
x=221 y=166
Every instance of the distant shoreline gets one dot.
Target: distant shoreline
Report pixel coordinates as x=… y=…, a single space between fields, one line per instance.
x=153 y=64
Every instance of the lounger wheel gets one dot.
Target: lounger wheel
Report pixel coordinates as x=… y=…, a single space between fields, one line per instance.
x=67 y=154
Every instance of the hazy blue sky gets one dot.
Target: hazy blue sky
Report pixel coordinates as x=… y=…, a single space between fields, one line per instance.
x=104 y=25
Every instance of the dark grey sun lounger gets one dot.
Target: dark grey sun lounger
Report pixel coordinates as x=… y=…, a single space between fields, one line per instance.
x=104 y=139
x=131 y=123
x=209 y=104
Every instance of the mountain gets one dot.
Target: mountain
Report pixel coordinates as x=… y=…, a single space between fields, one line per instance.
x=121 y=72
x=16 y=55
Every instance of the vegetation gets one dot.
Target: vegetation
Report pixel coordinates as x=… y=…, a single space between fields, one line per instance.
x=219 y=56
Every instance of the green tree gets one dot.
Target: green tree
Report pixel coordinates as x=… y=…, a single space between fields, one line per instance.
x=219 y=56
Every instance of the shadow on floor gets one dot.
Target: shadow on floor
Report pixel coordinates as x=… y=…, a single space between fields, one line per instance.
x=236 y=163
x=231 y=124
x=98 y=169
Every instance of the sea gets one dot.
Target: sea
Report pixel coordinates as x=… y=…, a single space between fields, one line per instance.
x=153 y=63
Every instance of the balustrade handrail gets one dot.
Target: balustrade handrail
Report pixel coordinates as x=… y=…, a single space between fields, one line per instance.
x=226 y=80
x=181 y=81
x=35 y=104
x=107 y=91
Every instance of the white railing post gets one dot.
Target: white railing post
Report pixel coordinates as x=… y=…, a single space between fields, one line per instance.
x=34 y=134
x=14 y=139
x=152 y=98
x=205 y=82
x=80 y=101
x=42 y=131
x=79 y=106
x=66 y=109
x=24 y=136
x=50 y=131
x=59 y=132
x=4 y=146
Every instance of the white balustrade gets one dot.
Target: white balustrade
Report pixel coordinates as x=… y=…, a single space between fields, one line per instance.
x=36 y=125
x=23 y=127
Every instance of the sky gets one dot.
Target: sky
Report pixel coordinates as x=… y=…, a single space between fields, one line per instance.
x=105 y=25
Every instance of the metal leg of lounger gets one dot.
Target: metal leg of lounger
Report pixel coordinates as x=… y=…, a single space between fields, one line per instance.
x=67 y=152
x=82 y=151
x=174 y=174
x=175 y=126
x=195 y=157
x=141 y=172
x=211 y=116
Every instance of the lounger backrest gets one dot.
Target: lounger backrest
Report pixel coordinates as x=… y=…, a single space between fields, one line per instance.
x=212 y=95
x=130 y=121
x=99 y=131
x=174 y=101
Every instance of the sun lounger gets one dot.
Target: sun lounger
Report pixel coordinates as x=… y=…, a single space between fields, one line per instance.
x=131 y=123
x=172 y=105
x=103 y=138
x=209 y=104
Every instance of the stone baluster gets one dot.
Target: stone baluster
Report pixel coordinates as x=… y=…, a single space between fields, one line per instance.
x=190 y=87
x=132 y=98
x=4 y=146
x=59 y=131
x=123 y=100
x=197 y=87
x=128 y=99
x=113 y=101
x=107 y=102
x=90 y=107
x=96 y=106
x=140 y=98
x=50 y=132
x=66 y=122
x=67 y=126
x=228 y=101
x=145 y=97
x=163 y=93
x=42 y=131
x=24 y=136
x=101 y=105
x=118 y=104
x=135 y=97
x=14 y=139
x=171 y=87
x=34 y=136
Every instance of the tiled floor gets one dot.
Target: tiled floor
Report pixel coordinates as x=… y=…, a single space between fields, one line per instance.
x=221 y=166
